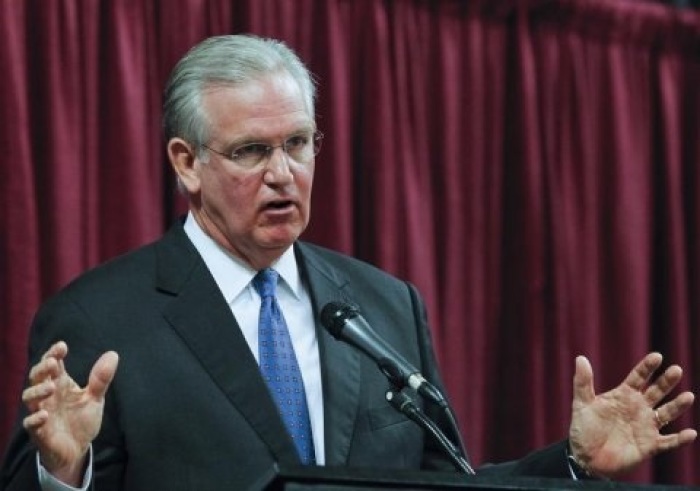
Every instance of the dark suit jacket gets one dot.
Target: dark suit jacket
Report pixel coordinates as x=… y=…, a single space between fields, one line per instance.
x=188 y=409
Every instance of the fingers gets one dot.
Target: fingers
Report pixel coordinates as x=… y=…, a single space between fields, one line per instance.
x=641 y=374
x=58 y=350
x=102 y=374
x=673 y=409
x=654 y=392
x=42 y=376
x=50 y=365
x=35 y=421
x=675 y=440
x=663 y=385
x=583 y=381
x=34 y=395
x=47 y=376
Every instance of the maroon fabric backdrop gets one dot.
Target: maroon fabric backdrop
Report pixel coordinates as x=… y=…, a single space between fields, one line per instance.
x=531 y=166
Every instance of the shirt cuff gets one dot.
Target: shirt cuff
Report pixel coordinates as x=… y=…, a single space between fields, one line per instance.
x=578 y=471
x=50 y=483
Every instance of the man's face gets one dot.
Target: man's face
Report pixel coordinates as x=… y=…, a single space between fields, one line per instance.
x=255 y=213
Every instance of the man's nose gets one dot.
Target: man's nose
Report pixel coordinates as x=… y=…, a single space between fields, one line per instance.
x=278 y=168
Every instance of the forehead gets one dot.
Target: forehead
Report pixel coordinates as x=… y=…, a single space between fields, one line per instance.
x=268 y=107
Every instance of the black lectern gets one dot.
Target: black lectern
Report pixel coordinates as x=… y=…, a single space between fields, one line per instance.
x=353 y=479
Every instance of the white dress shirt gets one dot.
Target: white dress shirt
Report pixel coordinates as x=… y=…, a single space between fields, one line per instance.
x=234 y=278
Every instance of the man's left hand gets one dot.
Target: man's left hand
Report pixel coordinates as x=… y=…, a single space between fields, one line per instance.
x=613 y=432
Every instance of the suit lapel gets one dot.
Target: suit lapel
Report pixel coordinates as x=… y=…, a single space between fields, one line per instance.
x=202 y=318
x=340 y=363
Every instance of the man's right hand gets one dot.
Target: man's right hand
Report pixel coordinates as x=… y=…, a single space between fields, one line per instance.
x=63 y=417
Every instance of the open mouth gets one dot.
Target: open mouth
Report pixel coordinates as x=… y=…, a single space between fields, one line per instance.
x=279 y=205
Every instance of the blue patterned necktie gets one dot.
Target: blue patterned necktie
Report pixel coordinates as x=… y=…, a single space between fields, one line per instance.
x=279 y=366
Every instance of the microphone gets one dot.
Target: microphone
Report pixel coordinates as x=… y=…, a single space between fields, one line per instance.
x=345 y=323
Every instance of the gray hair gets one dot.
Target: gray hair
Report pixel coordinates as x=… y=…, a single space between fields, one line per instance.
x=225 y=60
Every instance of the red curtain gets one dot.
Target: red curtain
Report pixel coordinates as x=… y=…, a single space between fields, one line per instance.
x=532 y=166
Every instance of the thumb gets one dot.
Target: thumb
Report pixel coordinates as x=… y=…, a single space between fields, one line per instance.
x=102 y=374
x=583 y=381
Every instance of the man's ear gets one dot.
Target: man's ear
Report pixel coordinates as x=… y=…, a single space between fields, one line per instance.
x=185 y=163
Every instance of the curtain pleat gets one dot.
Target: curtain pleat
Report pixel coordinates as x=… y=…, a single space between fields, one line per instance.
x=20 y=272
x=531 y=165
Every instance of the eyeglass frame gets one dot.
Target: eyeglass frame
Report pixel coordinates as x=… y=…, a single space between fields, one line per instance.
x=316 y=139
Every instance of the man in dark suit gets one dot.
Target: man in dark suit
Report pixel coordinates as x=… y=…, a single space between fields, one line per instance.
x=189 y=407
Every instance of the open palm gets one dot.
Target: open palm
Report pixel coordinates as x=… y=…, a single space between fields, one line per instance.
x=64 y=418
x=613 y=432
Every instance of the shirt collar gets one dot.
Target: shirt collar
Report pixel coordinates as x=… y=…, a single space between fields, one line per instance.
x=231 y=274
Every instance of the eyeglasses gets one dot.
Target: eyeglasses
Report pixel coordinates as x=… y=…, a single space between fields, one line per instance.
x=300 y=148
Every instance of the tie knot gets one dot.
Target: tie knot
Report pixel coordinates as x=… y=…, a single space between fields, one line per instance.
x=265 y=282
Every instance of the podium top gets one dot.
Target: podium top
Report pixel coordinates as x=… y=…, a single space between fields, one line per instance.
x=317 y=478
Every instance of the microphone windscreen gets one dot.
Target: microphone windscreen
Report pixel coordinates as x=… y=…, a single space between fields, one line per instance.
x=334 y=314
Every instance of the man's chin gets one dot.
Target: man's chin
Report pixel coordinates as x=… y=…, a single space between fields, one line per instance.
x=279 y=234
x=279 y=240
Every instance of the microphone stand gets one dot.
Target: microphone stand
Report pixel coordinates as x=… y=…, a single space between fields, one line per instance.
x=424 y=388
x=455 y=430
x=404 y=404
